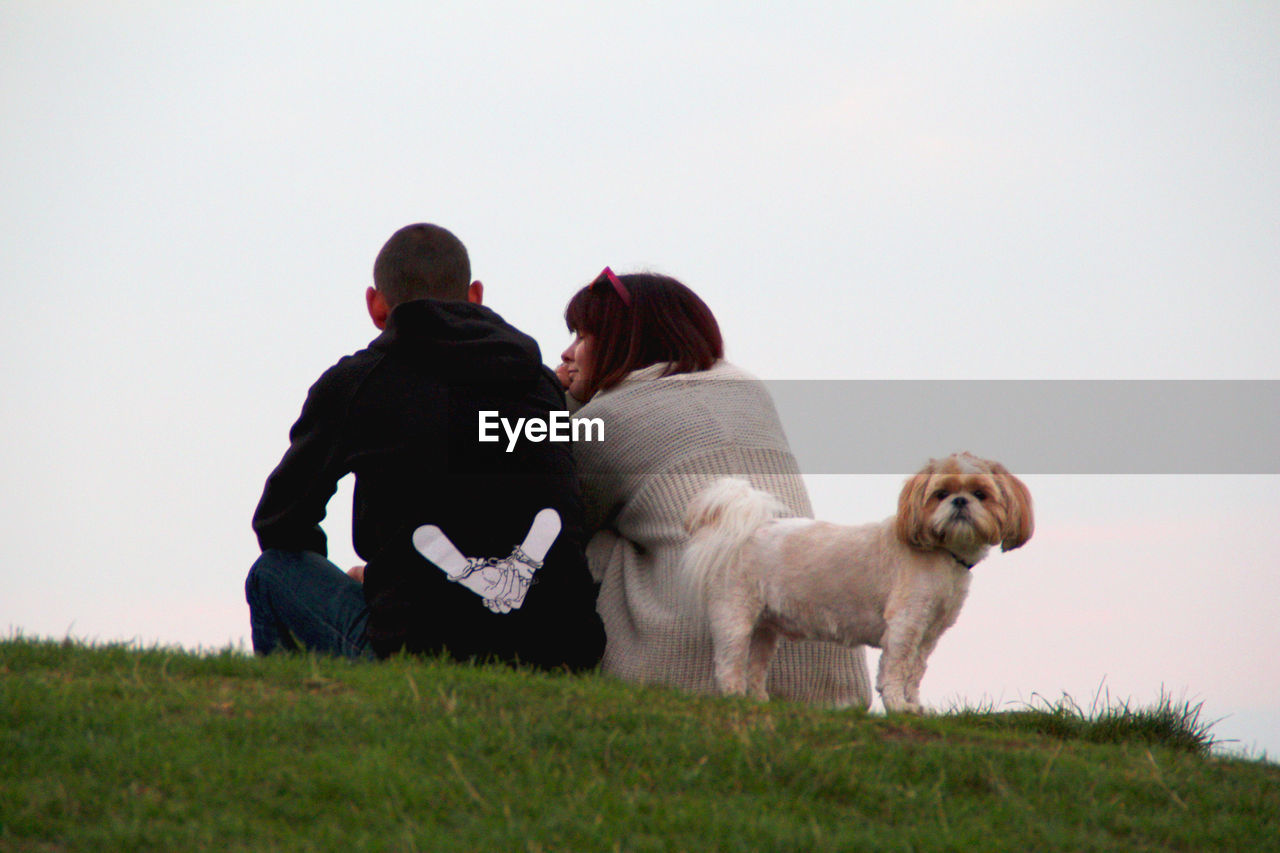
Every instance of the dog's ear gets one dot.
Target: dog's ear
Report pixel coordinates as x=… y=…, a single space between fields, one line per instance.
x=1019 y=521
x=910 y=524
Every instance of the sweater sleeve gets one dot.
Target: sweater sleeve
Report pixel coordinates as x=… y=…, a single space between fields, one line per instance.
x=602 y=487
x=298 y=490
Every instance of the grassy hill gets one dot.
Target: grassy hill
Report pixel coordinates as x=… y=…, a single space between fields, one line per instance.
x=111 y=748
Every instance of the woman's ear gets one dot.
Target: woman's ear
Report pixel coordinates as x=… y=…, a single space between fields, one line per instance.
x=377 y=305
x=475 y=293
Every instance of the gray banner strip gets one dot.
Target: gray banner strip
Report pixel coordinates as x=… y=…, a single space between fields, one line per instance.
x=1034 y=427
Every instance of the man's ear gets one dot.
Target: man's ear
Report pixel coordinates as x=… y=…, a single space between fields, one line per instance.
x=475 y=293
x=377 y=305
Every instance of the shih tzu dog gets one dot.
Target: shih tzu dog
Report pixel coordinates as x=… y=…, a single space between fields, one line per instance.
x=896 y=585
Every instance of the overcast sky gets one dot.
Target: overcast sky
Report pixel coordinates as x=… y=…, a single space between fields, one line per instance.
x=193 y=194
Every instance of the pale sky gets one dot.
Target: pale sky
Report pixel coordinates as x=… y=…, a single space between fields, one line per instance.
x=193 y=195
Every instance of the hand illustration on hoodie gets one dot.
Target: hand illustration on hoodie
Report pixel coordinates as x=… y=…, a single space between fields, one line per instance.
x=502 y=583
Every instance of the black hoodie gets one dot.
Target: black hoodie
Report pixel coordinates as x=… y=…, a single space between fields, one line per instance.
x=403 y=416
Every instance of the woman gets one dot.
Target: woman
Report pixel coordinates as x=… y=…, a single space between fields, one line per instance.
x=647 y=360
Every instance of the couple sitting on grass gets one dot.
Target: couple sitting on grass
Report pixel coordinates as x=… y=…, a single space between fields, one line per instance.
x=551 y=553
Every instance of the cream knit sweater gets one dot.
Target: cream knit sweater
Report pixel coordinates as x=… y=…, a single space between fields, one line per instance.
x=664 y=440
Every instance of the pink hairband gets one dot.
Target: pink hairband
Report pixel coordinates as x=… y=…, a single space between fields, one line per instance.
x=618 y=286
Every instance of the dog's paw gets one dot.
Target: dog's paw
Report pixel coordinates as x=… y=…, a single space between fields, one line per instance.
x=900 y=705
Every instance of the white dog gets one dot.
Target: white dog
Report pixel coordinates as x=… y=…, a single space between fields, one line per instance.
x=896 y=585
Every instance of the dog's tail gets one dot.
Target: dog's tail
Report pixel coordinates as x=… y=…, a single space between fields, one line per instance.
x=720 y=521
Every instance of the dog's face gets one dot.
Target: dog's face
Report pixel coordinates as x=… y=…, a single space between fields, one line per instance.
x=964 y=505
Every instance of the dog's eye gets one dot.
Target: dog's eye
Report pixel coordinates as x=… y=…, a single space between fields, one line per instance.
x=980 y=494
x=940 y=495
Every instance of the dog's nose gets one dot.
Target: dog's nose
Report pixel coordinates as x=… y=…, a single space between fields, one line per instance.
x=959 y=501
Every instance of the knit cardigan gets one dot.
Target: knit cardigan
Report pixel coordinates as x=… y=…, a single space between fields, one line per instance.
x=664 y=439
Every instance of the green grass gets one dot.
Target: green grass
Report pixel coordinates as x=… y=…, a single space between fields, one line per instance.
x=113 y=748
x=1178 y=725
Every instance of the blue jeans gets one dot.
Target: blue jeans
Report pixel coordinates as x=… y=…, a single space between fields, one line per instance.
x=300 y=600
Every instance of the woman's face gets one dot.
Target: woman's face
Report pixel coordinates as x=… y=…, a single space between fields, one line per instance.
x=579 y=366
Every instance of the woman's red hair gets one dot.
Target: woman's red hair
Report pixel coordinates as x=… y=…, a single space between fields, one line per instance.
x=665 y=322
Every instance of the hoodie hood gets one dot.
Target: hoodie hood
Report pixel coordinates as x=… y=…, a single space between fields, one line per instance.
x=460 y=340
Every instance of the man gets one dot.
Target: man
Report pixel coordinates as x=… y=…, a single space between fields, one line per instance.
x=474 y=548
